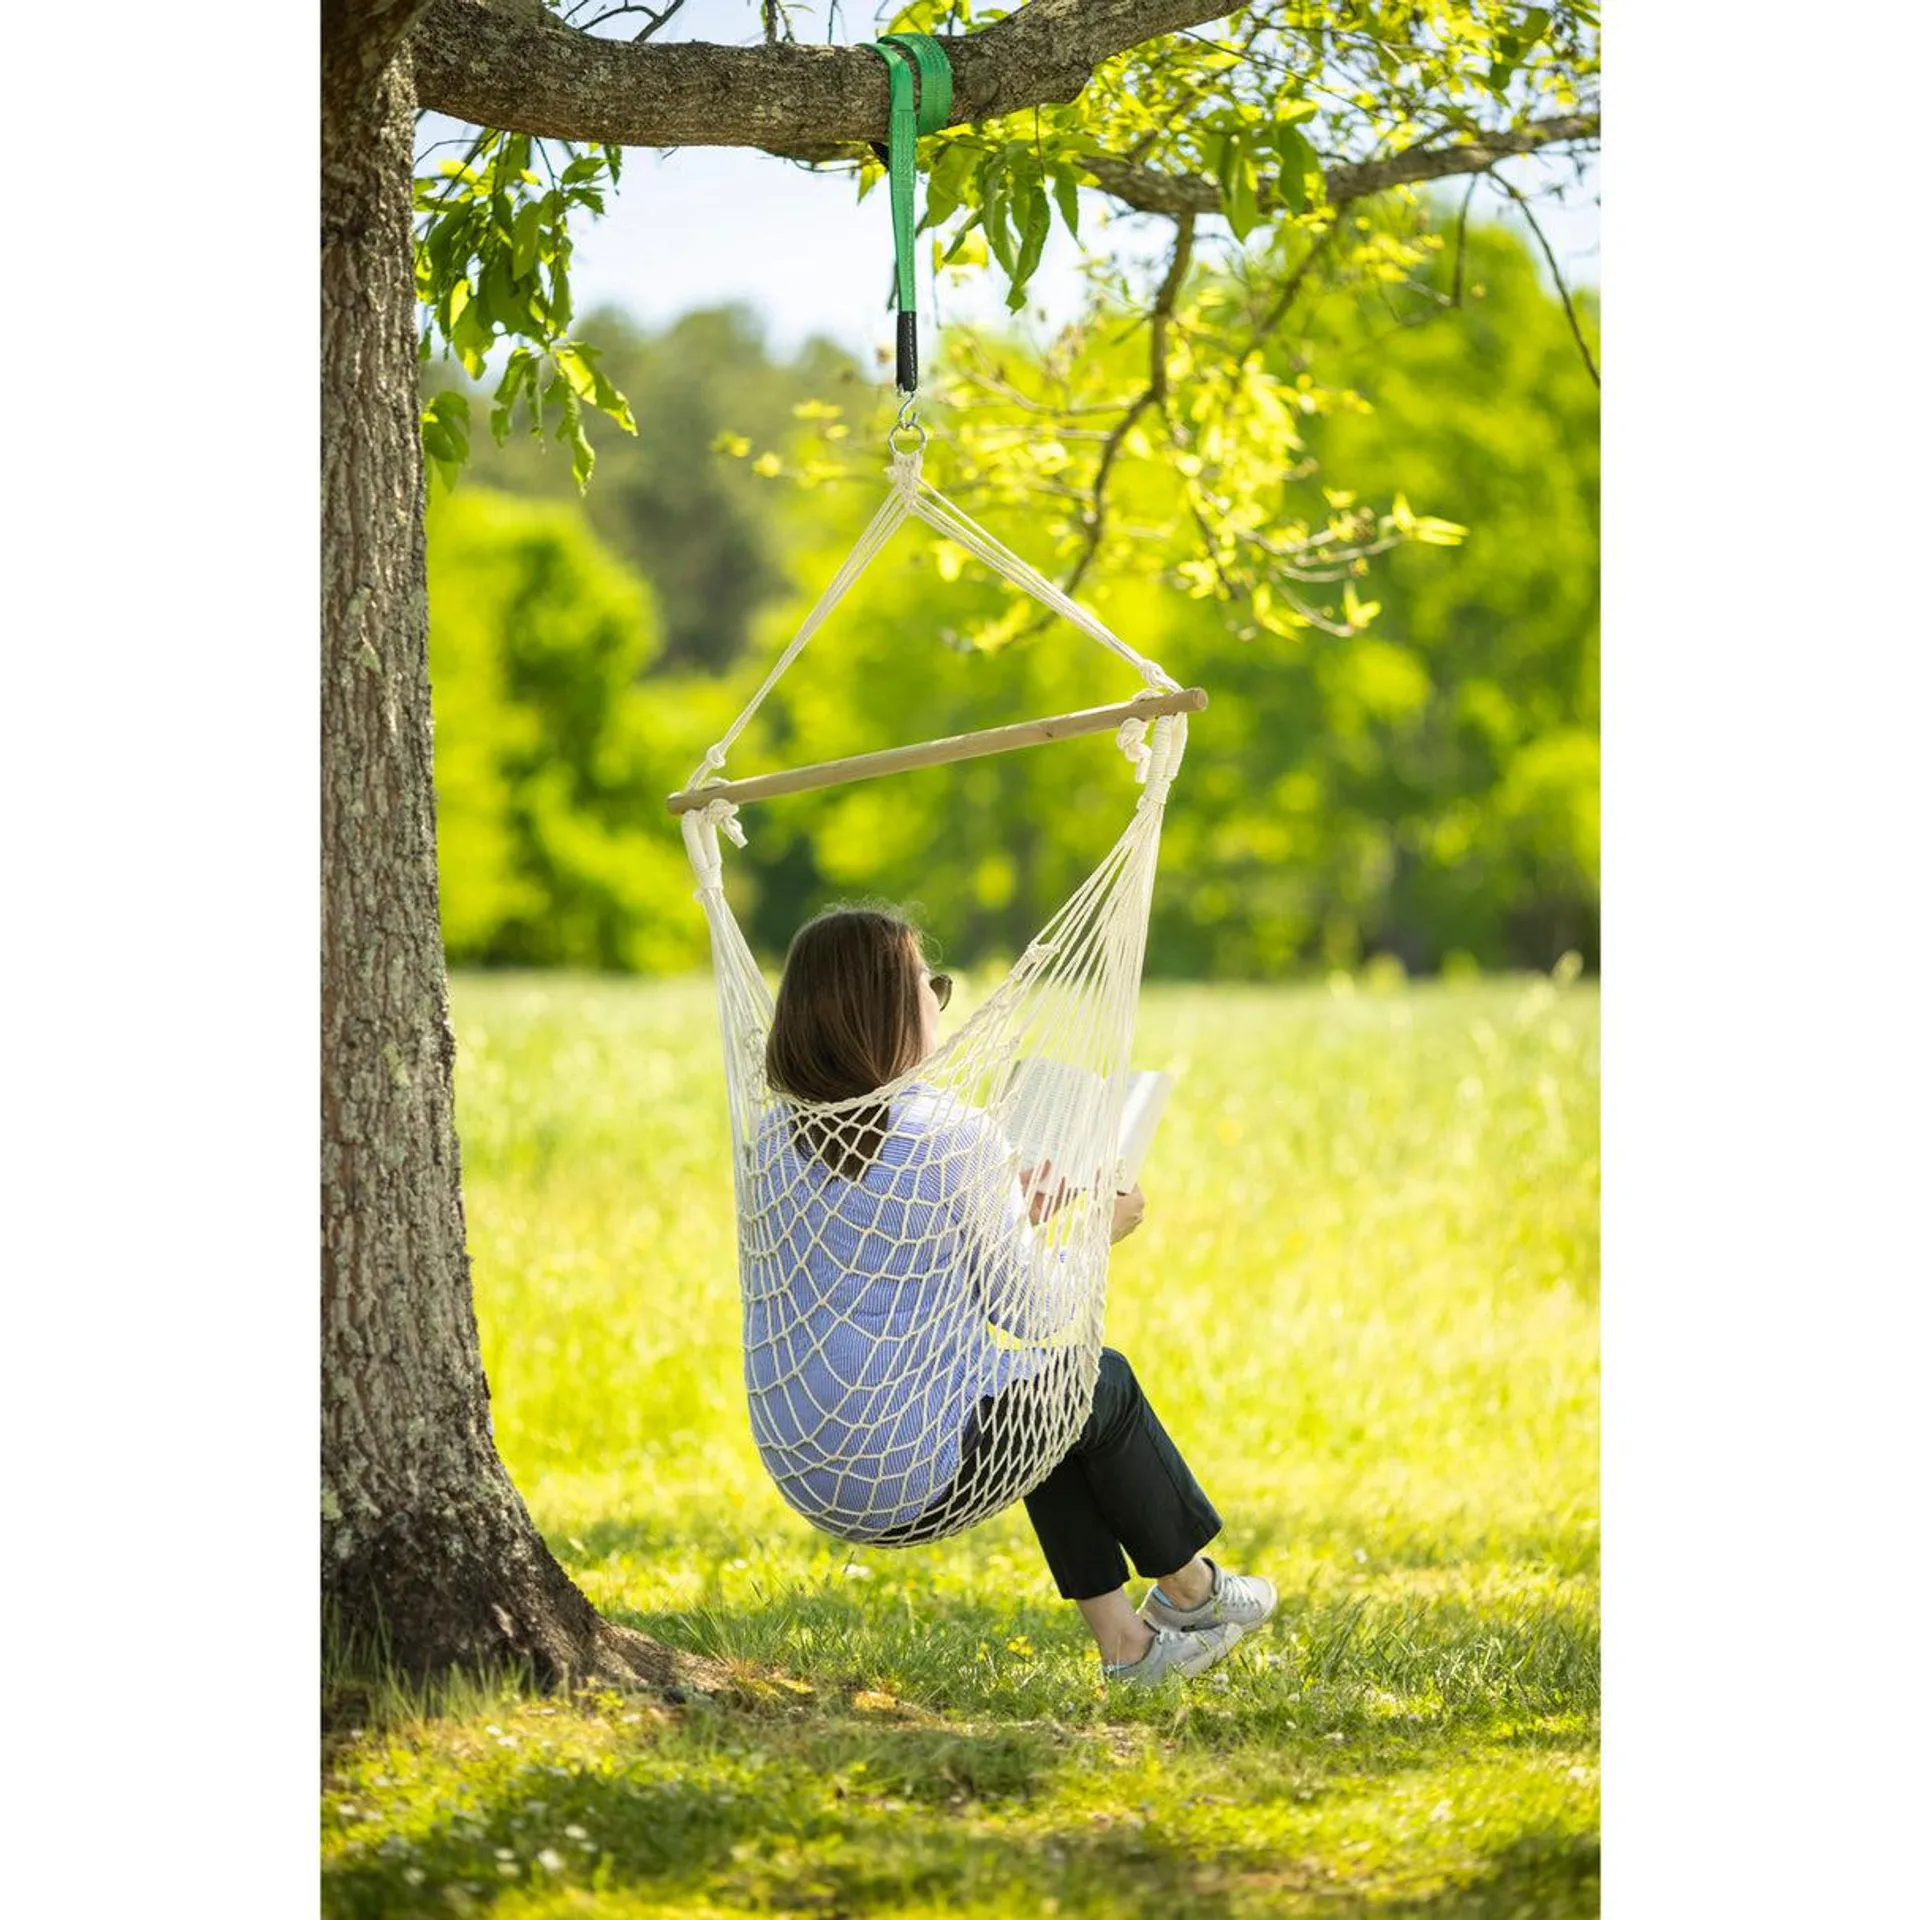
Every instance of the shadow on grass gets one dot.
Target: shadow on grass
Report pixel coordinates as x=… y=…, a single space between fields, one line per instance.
x=895 y=1829
x=1416 y=1670
x=1539 y=1877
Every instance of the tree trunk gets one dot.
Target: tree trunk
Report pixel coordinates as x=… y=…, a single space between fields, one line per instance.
x=427 y=1549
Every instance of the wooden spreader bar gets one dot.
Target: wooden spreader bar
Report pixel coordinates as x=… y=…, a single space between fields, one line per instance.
x=935 y=753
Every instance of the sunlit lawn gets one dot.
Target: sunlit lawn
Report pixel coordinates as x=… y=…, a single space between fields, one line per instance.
x=1364 y=1301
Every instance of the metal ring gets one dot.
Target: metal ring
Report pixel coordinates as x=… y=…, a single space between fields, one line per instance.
x=907 y=420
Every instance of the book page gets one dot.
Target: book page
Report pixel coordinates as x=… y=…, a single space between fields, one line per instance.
x=1147 y=1096
x=1056 y=1113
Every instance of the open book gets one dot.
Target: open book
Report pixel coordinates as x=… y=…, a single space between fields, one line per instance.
x=1057 y=1113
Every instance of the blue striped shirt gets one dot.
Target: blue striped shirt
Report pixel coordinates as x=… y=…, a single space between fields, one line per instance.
x=871 y=1308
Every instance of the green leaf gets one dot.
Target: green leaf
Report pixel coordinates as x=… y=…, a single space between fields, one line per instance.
x=581 y=365
x=573 y=431
x=470 y=336
x=1240 y=188
x=1034 y=218
x=1300 y=174
x=998 y=211
x=444 y=433
x=1066 y=192
x=575 y=369
x=528 y=228
x=509 y=306
x=948 y=180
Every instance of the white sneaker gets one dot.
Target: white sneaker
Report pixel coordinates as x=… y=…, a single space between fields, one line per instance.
x=1240 y=1600
x=1176 y=1655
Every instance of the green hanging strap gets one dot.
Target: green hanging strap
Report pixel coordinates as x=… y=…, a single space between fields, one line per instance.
x=903 y=53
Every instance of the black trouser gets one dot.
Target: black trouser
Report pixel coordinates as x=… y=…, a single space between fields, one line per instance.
x=1121 y=1493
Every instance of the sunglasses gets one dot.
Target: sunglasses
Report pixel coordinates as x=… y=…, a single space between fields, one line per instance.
x=942 y=985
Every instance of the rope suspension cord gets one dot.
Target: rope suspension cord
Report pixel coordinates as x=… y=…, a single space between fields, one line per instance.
x=911 y=496
x=906 y=122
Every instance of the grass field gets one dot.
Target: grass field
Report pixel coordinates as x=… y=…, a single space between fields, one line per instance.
x=1365 y=1303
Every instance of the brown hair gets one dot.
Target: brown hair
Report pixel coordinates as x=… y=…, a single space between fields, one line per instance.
x=847 y=1020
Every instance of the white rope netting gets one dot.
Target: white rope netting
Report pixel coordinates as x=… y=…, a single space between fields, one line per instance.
x=920 y=1351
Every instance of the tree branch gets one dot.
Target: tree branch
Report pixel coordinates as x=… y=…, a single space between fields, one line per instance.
x=539 y=76
x=1150 y=190
x=657 y=17
x=1553 y=266
x=1154 y=394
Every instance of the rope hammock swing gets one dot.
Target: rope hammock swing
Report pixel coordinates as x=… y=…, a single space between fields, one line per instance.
x=857 y=1406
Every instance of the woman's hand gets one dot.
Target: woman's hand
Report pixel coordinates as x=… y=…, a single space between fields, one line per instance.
x=1045 y=1195
x=1129 y=1209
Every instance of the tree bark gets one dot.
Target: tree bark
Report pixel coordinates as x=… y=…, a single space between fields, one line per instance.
x=1151 y=190
x=492 y=68
x=427 y=1550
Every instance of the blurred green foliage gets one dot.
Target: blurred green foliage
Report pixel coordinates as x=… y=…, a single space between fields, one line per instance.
x=1419 y=786
x=700 y=528
x=547 y=749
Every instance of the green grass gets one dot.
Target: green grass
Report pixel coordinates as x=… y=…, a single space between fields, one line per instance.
x=1364 y=1301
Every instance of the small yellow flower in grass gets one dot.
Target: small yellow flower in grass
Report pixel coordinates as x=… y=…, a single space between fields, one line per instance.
x=1021 y=1645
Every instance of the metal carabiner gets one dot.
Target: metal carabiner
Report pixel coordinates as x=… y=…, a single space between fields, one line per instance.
x=907 y=420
